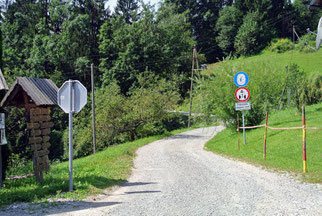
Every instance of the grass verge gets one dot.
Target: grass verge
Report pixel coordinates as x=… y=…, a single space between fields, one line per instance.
x=92 y=175
x=284 y=147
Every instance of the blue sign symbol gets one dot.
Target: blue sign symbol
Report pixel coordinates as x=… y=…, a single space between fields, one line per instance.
x=241 y=79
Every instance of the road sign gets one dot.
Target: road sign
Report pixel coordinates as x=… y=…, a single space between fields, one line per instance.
x=242 y=94
x=79 y=96
x=241 y=79
x=242 y=106
x=72 y=97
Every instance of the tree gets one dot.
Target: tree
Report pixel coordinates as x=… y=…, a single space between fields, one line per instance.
x=157 y=42
x=128 y=10
x=227 y=26
x=203 y=16
x=247 y=39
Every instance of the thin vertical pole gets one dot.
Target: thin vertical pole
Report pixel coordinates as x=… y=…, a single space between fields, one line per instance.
x=196 y=56
x=191 y=86
x=293 y=29
x=265 y=135
x=70 y=136
x=93 y=109
x=238 y=132
x=244 y=127
x=304 y=140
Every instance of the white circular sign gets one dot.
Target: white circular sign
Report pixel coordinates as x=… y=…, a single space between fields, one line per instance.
x=241 y=79
x=242 y=94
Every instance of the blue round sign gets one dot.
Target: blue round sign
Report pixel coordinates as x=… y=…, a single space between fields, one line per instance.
x=241 y=79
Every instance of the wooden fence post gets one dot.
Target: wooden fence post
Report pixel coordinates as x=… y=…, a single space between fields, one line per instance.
x=238 y=131
x=304 y=140
x=265 y=135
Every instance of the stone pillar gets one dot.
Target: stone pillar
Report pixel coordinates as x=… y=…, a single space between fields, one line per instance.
x=39 y=127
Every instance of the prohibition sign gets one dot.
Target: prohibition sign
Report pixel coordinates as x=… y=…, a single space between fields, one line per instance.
x=242 y=94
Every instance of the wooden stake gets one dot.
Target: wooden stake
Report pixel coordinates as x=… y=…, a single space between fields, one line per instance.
x=238 y=132
x=304 y=140
x=265 y=135
x=194 y=58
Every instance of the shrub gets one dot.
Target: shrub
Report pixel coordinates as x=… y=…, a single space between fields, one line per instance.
x=281 y=45
x=217 y=92
x=311 y=92
x=125 y=118
x=306 y=43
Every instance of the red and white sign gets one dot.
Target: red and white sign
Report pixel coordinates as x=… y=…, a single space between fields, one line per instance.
x=242 y=94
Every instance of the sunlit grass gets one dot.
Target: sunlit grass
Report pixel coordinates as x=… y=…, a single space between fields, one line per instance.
x=284 y=147
x=309 y=62
x=92 y=175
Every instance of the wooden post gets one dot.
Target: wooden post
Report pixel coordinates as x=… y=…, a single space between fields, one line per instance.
x=304 y=140
x=93 y=108
x=265 y=135
x=238 y=132
x=191 y=86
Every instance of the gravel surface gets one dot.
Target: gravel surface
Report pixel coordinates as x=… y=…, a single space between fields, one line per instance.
x=175 y=176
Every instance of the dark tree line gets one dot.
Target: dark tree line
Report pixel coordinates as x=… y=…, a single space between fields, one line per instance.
x=244 y=27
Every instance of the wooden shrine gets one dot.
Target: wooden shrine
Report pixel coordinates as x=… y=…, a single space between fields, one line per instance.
x=36 y=96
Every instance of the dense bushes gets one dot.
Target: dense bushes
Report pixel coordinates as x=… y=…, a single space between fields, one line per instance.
x=311 y=92
x=281 y=45
x=217 y=92
x=125 y=118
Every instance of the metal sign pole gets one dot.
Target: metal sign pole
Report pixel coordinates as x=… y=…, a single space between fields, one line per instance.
x=244 y=128
x=70 y=136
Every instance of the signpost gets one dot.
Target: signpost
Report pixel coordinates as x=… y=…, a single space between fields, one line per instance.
x=242 y=95
x=72 y=97
x=3 y=141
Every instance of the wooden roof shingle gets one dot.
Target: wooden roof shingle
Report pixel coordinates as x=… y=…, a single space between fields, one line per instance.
x=42 y=92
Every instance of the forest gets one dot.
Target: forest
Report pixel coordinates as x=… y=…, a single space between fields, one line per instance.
x=140 y=56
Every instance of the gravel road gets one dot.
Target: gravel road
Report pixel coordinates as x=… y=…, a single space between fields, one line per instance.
x=175 y=176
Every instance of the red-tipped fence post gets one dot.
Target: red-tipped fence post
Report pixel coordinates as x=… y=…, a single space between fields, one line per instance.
x=265 y=135
x=304 y=140
x=238 y=131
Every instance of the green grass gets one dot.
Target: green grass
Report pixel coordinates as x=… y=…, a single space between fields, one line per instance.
x=284 y=147
x=92 y=175
x=309 y=62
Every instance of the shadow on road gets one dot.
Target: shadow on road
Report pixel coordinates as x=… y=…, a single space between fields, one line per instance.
x=129 y=184
x=183 y=136
x=141 y=192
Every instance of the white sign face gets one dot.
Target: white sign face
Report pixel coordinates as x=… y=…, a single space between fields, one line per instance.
x=79 y=96
x=242 y=106
x=3 y=139
x=241 y=79
x=242 y=94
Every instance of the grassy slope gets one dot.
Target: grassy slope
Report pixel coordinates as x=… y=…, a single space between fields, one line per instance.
x=284 y=148
x=92 y=175
x=309 y=62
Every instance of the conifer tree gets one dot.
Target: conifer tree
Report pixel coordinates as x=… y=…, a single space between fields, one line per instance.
x=127 y=9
